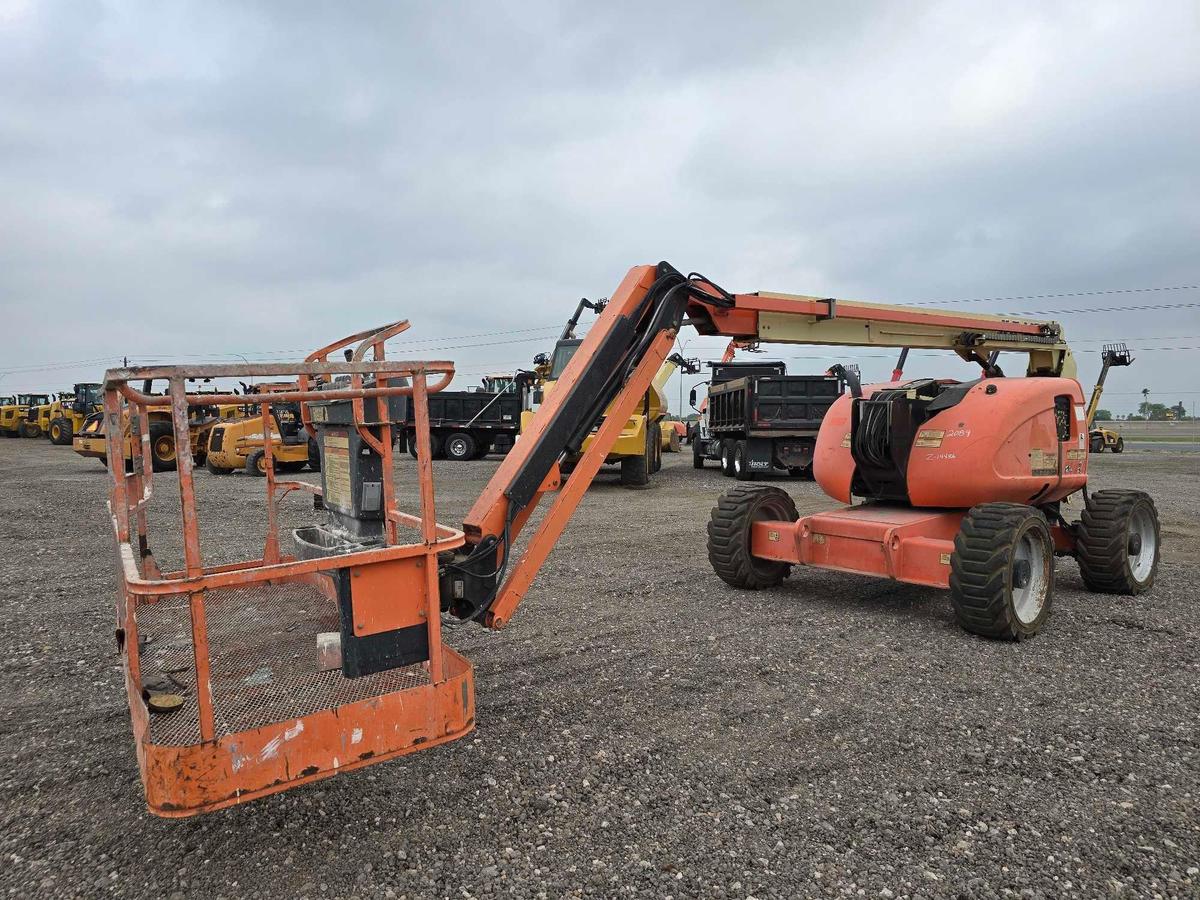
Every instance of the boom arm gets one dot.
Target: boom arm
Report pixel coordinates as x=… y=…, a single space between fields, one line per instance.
x=1113 y=355
x=616 y=364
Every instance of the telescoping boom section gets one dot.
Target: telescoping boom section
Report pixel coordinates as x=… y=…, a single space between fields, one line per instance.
x=325 y=652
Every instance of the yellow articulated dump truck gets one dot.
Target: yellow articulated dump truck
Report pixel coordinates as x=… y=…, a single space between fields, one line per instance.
x=638 y=450
x=14 y=416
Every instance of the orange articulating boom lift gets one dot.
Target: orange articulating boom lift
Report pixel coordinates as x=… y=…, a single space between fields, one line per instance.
x=329 y=657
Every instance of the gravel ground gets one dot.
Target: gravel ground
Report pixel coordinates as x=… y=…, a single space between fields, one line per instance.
x=642 y=729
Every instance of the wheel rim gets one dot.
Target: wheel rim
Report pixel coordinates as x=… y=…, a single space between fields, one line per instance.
x=1142 y=533
x=458 y=447
x=55 y=432
x=1029 y=578
x=164 y=449
x=262 y=465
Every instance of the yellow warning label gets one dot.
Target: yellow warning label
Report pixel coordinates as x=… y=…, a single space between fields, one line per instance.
x=336 y=464
x=945 y=559
x=818 y=538
x=1076 y=454
x=846 y=440
x=929 y=437
x=319 y=413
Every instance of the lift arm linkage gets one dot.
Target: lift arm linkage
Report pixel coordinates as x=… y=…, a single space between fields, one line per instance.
x=616 y=364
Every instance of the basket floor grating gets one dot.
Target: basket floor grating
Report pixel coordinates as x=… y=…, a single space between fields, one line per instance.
x=262 y=642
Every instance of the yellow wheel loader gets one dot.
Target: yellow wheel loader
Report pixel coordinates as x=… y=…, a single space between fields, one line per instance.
x=91 y=441
x=639 y=448
x=239 y=445
x=13 y=416
x=66 y=415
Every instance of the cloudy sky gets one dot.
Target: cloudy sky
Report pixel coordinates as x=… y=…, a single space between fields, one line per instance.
x=201 y=180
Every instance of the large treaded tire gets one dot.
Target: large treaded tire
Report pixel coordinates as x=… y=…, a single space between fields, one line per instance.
x=727 y=458
x=213 y=468
x=984 y=580
x=161 y=461
x=729 y=535
x=1119 y=446
x=460 y=446
x=60 y=432
x=741 y=465
x=1103 y=541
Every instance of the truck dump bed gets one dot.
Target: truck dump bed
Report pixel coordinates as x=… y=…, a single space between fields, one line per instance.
x=771 y=406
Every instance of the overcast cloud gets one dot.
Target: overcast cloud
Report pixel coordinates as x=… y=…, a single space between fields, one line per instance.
x=208 y=178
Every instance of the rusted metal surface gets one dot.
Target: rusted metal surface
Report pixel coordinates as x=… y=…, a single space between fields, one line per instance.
x=223 y=757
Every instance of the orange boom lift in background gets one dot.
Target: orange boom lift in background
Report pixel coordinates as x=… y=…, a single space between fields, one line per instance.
x=297 y=665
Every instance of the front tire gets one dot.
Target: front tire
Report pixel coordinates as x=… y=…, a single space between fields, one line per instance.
x=1119 y=446
x=1002 y=571
x=729 y=530
x=1117 y=543
x=60 y=432
x=460 y=446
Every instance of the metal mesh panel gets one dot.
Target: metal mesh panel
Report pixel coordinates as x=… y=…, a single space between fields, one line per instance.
x=263 y=656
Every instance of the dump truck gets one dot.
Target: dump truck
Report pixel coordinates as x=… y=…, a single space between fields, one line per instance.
x=959 y=485
x=761 y=420
x=471 y=424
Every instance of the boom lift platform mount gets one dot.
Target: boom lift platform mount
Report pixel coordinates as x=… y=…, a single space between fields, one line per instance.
x=294 y=666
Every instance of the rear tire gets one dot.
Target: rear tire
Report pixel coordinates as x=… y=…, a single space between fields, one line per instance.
x=214 y=469
x=1002 y=571
x=729 y=530
x=697 y=459
x=1095 y=444
x=256 y=464
x=727 y=458
x=654 y=448
x=314 y=455
x=30 y=430
x=460 y=446
x=162 y=447
x=1114 y=523
x=741 y=466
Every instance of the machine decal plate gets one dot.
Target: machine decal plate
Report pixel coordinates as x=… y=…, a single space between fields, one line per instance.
x=846 y=440
x=944 y=559
x=930 y=437
x=338 y=492
x=1076 y=454
x=1043 y=462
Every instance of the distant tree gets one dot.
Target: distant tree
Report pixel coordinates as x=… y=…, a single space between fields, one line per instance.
x=1180 y=410
x=1104 y=415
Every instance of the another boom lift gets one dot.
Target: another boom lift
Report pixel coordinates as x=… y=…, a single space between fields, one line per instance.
x=962 y=486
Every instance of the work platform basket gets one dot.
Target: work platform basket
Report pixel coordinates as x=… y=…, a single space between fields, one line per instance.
x=233 y=672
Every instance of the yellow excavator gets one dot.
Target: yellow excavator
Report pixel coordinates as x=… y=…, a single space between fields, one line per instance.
x=1100 y=439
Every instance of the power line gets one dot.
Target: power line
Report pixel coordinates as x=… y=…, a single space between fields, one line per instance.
x=1144 y=290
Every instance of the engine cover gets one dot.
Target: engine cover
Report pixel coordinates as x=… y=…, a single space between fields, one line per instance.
x=954 y=445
